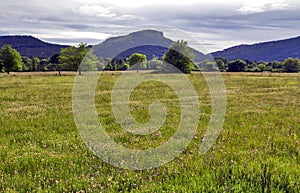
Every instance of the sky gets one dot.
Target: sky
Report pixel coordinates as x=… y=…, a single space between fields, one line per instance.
x=215 y=24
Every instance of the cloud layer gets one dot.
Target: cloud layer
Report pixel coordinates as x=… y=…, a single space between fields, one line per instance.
x=217 y=25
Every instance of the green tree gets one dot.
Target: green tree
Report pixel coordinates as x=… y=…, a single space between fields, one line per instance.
x=155 y=64
x=27 y=64
x=44 y=63
x=10 y=59
x=71 y=57
x=35 y=64
x=1 y=65
x=291 y=65
x=262 y=66
x=237 y=66
x=139 y=60
x=107 y=64
x=276 y=66
x=180 y=56
x=54 y=63
x=225 y=61
x=89 y=62
x=101 y=64
x=251 y=67
x=210 y=66
x=220 y=64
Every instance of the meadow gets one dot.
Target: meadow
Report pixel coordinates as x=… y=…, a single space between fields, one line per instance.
x=258 y=149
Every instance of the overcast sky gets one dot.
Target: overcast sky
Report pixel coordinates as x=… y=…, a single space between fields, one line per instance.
x=217 y=24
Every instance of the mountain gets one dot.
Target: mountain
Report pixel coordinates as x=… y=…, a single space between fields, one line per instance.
x=152 y=43
x=266 y=51
x=31 y=46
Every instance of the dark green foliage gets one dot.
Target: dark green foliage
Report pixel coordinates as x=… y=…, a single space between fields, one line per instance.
x=210 y=66
x=180 y=56
x=276 y=65
x=27 y=64
x=236 y=66
x=10 y=59
x=1 y=65
x=221 y=65
x=89 y=62
x=155 y=64
x=139 y=61
x=116 y=65
x=70 y=58
x=262 y=66
x=224 y=60
x=149 y=50
x=54 y=59
x=291 y=65
x=44 y=64
x=105 y=64
x=35 y=63
x=251 y=67
x=101 y=64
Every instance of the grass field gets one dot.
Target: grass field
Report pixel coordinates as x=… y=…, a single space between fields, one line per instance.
x=257 y=151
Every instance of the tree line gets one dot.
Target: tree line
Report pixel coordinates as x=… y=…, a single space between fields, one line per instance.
x=289 y=65
x=179 y=54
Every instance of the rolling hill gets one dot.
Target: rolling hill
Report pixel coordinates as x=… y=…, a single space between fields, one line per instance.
x=266 y=51
x=31 y=46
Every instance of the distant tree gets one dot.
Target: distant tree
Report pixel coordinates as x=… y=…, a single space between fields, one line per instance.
x=180 y=56
x=251 y=67
x=139 y=60
x=10 y=59
x=54 y=63
x=44 y=64
x=35 y=64
x=54 y=59
x=1 y=65
x=27 y=64
x=237 y=66
x=124 y=66
x=71 y=57
x=276 y=66
x=262 y=66
x=291 y=65
x=89 y=62
x=101 y=64
x=269 y=68
x=119 y=64
x=207 y=66
x=225 y=60
x=107 y=64
x=220 y=64
x=154 y=64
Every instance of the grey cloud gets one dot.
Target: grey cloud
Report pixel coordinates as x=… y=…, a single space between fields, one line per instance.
x=223 y=23
x=78 y=26
x=71 y=41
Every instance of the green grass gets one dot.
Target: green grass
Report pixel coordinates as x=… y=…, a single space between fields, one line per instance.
x=257 y=151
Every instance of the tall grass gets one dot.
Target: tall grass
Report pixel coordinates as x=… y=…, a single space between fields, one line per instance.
x=257 y=151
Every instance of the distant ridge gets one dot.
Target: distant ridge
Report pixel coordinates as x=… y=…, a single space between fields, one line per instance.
x=30 y=46
x=152 y=43
x=266 y=51
x=142 y=41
